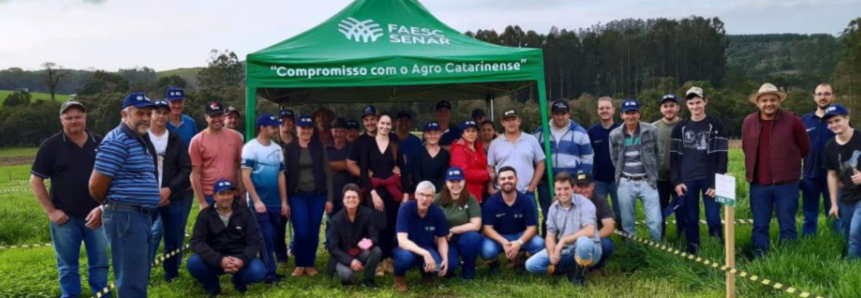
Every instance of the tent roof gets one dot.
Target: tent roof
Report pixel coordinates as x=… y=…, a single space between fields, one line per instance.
x=388 y=50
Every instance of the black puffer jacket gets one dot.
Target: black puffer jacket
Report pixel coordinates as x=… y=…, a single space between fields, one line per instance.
x=211 y=240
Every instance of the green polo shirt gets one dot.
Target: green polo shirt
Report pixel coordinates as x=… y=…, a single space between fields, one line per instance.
x=456 y=215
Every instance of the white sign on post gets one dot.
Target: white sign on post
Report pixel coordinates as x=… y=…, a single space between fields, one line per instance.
x=725 y=189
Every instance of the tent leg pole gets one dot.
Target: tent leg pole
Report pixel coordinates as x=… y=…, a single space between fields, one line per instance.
x=250 y=111
x=542 y=102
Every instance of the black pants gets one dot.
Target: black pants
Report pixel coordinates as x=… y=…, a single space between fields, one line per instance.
x=369 y=259
x=666 y=191
x=385 y=221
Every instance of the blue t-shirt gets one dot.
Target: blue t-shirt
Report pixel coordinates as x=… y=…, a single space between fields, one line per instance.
x=124 y=157
x=508 y=220
x=602 y=169
x=817 y=130
x=421 y=231
x=265 y=162
x=449 y=136
x=186 y=130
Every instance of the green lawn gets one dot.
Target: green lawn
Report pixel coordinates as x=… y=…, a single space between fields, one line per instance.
x=812 y=264
x=18 y=151
x=36 y=96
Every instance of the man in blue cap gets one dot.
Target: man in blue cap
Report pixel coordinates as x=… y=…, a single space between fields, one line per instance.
x=178 y=122
x=353 y=131
x=450 y=133
x=570 y=150
x=67 y=159
x=124 y=179
x=174 y=168
x=698 y=152
x=814 y=183
x=670 y=117
x=841 y=155
x=263 y=174
x=226 y=240
x=635 y=152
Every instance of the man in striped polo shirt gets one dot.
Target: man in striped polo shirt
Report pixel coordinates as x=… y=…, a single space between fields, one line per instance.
x=124 y=180
x=635 y=152
x=570 y=150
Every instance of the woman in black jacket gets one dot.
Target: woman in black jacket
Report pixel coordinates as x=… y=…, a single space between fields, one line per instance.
x=353 y=240
x=174 y=168
x=309 y=190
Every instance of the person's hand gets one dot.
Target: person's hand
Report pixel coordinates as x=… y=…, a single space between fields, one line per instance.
x=512 y=250
x=396 y=171
x=681 y=189
x=492 y=173
x=406 y=197
x=531 y=187
x=226 y=263
x=164 y=193
x=285 y=210
x=856 y=177
x=711 y=193
x=448 y=237
x=834 y=211
x=555 y=256
x=259 y=207
x=237 y=263
x=430 y=263
x=378 y=202
x=443 y=268
x=356 y=265
x=329 y=207
x=94 y=219
x=58 y=217
x=202 y=205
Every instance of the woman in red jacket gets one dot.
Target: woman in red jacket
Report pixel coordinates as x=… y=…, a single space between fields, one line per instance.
x=469 y=155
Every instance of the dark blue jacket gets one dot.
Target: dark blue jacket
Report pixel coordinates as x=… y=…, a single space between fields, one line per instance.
x=817 y=130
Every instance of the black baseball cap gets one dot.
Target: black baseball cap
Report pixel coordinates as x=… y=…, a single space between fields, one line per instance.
x=214 y=108
x=231 y=110
x=443 y=105
x=478 y=113
x=509 y=114
x=404 y=114
x=353 y=124
x=339 y=123
x=560 y=105
x=369 y=110
x=583 y=177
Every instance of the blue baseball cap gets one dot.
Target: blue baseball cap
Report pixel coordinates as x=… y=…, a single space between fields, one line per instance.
x=669 y=96
x=369 y=111
x=353 y=124
x=286 y=113
x=454 y=173
x=174 y=93
x=835 y=109
x=137 y=100
x=305 y=121
x=433 y=125
x=223 y=185
x=467 y=124
x=630 y=105
x=267 y=119
x=161 y=103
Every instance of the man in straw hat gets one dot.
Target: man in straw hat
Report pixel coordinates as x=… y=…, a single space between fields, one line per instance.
x=774 y=141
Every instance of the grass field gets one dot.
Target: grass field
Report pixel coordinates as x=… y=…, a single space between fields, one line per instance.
x=36 y=96
x=18 y=151
x=812 y=264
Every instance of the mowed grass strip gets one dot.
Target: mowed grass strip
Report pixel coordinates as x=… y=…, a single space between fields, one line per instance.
x=814 y=264
x=36 y=96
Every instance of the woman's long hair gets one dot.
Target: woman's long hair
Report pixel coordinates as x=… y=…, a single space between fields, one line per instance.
x=446 y=198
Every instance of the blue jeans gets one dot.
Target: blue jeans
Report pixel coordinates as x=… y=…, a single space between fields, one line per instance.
x=66 y=240
x=765 y=200
x=207 y=275
x=307 y=214
x=130 y=236
x=490 y=249
x=811 y=190
x=267 y=222
x=405 y=260
x=584 y=249
x=851 y=215
x=629 y=192
x=544 y=201
x=170 y=223
x=607 y=248
x=465 y=246
x=609 y=190
x=697 y=189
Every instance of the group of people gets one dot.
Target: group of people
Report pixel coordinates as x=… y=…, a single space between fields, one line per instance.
x=394 y=201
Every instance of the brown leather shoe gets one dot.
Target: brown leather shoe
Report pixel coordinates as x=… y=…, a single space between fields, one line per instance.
x=310 y=271
x=401 y=284
x=299 y=271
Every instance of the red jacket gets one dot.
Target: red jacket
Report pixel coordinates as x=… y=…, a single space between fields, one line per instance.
x=474 y=166
x=789 y=145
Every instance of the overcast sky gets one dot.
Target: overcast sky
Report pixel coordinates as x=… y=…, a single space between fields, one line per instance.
x=168 y=34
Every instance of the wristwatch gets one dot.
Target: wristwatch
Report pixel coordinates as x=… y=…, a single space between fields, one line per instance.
x=520 y=241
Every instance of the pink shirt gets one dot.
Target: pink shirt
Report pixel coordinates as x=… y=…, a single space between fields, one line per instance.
x=218 y=156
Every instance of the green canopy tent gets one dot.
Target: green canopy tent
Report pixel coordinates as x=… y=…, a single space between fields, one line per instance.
x=389 y=51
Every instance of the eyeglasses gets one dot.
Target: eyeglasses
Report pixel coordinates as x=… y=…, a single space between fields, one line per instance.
x=821 y=94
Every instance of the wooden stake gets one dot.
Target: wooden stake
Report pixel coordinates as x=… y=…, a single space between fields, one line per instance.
x=729 y=236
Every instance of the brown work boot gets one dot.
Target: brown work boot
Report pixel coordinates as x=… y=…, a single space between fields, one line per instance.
x=427 y=279
x=401 y=284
